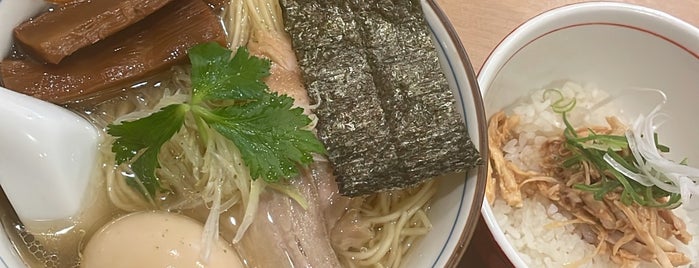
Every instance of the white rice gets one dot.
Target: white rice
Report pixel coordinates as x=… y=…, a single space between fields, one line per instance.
x=538 y=242
x=532 y=229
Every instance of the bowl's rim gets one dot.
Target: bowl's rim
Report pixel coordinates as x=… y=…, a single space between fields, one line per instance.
x=547 y=15
x=482 y=169
x=513 y=42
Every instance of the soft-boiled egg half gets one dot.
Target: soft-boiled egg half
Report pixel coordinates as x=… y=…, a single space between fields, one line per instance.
x=155 y=239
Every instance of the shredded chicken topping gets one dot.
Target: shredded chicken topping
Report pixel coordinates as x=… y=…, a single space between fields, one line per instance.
x=630 y=234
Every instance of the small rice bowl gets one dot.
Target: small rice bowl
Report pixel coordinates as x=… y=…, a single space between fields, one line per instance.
x=536 y=230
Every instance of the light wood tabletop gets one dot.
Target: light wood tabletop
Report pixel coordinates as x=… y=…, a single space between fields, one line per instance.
x=481 y=25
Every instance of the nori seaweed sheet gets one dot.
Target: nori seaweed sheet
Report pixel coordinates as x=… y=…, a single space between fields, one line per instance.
x=386 y=113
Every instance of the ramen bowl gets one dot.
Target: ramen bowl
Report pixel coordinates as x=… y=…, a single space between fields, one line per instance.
x=618 y=48
x=456 y=207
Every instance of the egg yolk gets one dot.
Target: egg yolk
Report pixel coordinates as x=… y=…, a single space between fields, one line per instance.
x=155 y=239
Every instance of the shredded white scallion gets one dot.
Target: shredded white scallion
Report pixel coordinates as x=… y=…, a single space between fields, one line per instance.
x=256 y=188
x=654 y=168
x=640 y=178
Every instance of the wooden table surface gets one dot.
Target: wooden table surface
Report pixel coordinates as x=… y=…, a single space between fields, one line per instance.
x=481 y=25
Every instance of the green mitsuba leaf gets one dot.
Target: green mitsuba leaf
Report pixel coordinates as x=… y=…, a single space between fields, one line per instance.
x=270 y=135
x=141 y=140
x=217 y=76
x=229 y=96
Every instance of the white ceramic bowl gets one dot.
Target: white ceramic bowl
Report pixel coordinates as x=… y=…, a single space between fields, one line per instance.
x=454 y=212
x=616 y=46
